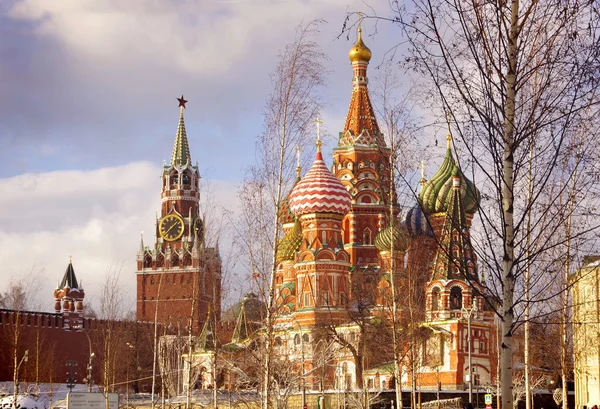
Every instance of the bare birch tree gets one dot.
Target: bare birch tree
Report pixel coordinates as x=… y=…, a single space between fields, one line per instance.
x=289 y=112
x=110 y=342
x=507 y=72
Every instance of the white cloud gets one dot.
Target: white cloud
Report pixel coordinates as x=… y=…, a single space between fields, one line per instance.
x=198 y=37
x=96 y=216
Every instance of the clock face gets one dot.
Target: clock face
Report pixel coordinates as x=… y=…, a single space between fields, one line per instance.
x=198 y=228
x=171 y=227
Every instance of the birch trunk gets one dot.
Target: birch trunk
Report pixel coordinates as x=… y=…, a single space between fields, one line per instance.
x=508 y=316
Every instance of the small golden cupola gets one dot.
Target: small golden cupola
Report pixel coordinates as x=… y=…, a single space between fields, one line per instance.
x=359 y=51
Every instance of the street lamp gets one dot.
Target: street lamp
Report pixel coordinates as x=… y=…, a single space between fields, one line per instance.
x=89 y=374
x=469 y=313
x=71 y=375
x=131 y=346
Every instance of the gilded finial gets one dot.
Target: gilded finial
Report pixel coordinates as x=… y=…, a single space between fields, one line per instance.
x=359 y=51
x=70 y=259
x=319 y=143
x=423 y=180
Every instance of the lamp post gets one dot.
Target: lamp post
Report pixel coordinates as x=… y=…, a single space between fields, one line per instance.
x=131 y=346
x=469 y=313
x=71 y=375
x=304 y=406
x=90 y=382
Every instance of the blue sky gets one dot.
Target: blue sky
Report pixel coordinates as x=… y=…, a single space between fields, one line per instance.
x=88 y=113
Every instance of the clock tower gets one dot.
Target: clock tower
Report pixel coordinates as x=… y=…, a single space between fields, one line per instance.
x=179 y=277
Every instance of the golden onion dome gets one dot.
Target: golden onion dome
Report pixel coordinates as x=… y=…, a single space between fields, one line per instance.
x=359 y=51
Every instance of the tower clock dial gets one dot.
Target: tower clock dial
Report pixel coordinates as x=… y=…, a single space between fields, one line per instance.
x=198 y=228
x=171 y=227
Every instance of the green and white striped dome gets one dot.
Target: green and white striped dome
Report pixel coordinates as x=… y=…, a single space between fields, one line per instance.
x=433 y=197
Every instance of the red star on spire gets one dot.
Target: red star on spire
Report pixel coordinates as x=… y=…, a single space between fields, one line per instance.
x=182 y=101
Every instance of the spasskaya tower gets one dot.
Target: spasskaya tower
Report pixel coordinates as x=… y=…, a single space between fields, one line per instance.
x=179 y=277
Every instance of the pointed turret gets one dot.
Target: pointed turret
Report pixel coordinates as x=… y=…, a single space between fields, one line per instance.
x=68 y=296
x=181 y=149
x=455 y=258
x=454 y=282
x=207 y=340
x=249 y=318
x=361 y=125
x=141 y=251
x=69 y=280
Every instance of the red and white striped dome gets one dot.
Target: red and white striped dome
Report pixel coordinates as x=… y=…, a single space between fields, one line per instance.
x=319 y=192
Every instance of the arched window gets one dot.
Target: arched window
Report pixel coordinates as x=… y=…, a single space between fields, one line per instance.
x=305 y=338
x=346 y=231
x=435 y=299
x=367 y=237
x=456 y=298
x=278 y=341
x=297 y=339
x=187 y=178
x=174 y=180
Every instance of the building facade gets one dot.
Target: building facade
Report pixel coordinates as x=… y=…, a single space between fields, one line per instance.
x=586 y=333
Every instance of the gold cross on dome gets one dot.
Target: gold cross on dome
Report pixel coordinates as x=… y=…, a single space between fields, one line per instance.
x=298 y=168
x=449 y=137
x=319 y=122
x=298 y=156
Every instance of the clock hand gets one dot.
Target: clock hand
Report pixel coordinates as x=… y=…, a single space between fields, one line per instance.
x=170 y=228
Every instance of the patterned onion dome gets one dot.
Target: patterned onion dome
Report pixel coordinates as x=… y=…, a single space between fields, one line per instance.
x=416 y=224
x=319 y=192
x=435 y=193
x=285 y=213
x=290 y=243
x=392 y=236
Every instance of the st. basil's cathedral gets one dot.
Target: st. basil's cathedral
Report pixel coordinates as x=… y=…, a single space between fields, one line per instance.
x=344 y=239
x=335 y=263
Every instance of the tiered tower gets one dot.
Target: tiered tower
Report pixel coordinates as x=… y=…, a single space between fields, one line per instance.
x=361 y=163
x=68 y=300
x=179 y=277
x=322 y=265
x=454 y=291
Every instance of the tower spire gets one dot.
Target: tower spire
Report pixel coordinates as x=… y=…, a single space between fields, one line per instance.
x=141 y=252
x=181 y=149
x=361 y=125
